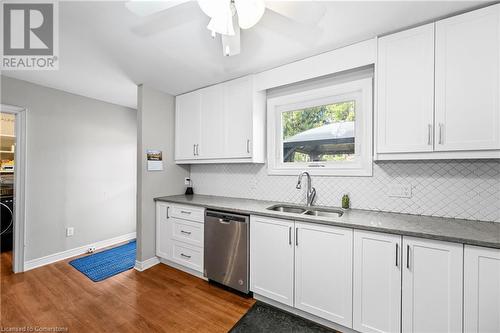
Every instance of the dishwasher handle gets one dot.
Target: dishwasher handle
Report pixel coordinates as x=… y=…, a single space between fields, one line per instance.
x=225 y=218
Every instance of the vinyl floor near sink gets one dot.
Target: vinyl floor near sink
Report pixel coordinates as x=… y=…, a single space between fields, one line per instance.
x=263 y=318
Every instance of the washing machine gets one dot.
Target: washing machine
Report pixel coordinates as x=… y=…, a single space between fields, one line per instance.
x=7 y=226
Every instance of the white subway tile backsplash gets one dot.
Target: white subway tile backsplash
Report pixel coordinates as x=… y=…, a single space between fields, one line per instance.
x=459 y=189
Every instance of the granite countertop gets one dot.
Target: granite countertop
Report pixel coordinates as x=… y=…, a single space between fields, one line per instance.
x=447 y=229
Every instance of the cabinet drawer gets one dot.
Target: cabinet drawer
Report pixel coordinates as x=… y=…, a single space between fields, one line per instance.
x=187 y=213
x=187 y=255
x=187 y=231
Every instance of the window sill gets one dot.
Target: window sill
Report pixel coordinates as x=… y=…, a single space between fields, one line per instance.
x=365 y=172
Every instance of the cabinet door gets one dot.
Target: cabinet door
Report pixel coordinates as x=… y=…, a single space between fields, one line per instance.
x=467 y=81
x=238 y=108
x=163 y=231
x=377 y=282
x=271 y=258
x=187 y=125
x=405 y=114
x=323 y=272
x=211 y=145
x=481 y=290
x=432 y=286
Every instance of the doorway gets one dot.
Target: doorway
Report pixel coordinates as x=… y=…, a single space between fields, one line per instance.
x=12 y=180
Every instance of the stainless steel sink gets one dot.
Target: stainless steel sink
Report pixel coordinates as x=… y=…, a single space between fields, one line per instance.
x=288 y=209
x=333 y=212
x=313 y=211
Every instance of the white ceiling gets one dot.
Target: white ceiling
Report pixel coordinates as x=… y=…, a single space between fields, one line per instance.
x=105 y=50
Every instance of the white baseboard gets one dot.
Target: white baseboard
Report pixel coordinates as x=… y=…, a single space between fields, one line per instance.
x=34 y=263
x=143 y=265
x=183 y=268
x=304 y=314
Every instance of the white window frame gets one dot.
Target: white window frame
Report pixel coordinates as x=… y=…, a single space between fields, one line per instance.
x=359 y=90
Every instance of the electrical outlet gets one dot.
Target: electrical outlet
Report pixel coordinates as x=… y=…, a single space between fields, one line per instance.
x=187 y=181
x=91 y=249
x=70 y=231
x=400 y=191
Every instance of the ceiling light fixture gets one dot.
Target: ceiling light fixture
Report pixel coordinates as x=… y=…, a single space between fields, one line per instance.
x=249 y=12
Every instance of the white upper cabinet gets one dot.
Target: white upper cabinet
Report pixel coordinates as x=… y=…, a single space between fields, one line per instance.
x=187 y=125
x=271 y=258
x=432 y=286
x=377 y=282
x=239 y=117
x=229 y=126
x=467 y=81
x=438 y=90
x=212 y=122
x=406 y=91
x=323 y=272
x=481 y=290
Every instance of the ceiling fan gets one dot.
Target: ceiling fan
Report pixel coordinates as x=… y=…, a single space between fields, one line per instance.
x=228 y=17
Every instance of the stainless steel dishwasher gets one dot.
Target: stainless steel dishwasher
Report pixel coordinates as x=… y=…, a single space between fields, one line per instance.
x=227 y=249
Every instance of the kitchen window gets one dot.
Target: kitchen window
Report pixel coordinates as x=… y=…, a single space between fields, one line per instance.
x=325 y=131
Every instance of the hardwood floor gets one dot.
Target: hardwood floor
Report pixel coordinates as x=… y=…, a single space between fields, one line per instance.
x=160 y=299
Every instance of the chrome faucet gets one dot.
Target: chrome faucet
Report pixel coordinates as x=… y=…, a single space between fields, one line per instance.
x=311 y=191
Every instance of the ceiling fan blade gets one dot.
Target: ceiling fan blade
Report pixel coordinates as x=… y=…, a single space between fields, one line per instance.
x=305 y=12
x=146 y=7
x=167 y=19
x=290 y=28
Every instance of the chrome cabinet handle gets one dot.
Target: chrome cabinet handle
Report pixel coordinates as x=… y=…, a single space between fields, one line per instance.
x=167 y=212
x=185 y=256
x=397 y=252
x=248 y=145
x=408 y=256
x=186 y=232
x=296 y=236
x=441 y=140
x=194 y=150
x=429 y=134
x=197 y=150
x=185 y=212
x=290 y=235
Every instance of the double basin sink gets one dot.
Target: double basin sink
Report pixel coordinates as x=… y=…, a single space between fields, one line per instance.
x=311 y=210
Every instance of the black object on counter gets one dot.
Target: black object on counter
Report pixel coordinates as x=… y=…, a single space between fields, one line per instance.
x=189 y=191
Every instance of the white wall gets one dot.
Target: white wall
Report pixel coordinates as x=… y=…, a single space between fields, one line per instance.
x=155 y=118
x=461 y=189
x=81 y=167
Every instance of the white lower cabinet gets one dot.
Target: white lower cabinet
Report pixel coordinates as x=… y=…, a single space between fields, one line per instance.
x=377 y=282
x=481 y=290
x=179 y=234
x=432 y=286
x=323 y=272
x=271 y=258
x=163 y=230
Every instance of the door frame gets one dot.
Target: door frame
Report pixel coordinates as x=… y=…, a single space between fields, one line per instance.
x=18 y=254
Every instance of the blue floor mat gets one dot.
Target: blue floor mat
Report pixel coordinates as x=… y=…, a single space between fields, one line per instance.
x=102 y=265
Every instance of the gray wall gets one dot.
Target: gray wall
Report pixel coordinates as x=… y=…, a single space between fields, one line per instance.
x=81 y=167
x=155 y=118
